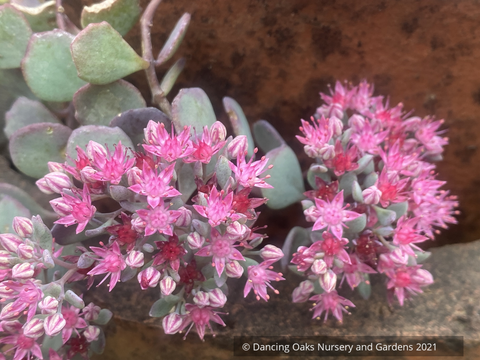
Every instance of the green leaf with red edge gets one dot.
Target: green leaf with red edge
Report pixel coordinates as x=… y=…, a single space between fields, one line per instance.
x=121 y=14
x=102 y=56
x=33 y=146
x=99 y=104
x=26 y=112
x=48 y=66
x=14 y=35
x=41 y=17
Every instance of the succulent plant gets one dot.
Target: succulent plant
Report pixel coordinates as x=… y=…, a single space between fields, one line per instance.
x=374 y=197
x=158 y=194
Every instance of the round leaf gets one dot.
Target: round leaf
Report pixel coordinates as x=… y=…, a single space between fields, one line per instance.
x=192 y=107
x=286 y=178
x=33 y=146
x=102 y=56
x=101 y=134
x=41 y=17
x=26 y=112
x=239 y=121
x=99 y=104
x=48 y=67
x=121 y=14
x=26 y=200
x=9 y=208
x=14 y=35
x=266 y=136
x=134 y=121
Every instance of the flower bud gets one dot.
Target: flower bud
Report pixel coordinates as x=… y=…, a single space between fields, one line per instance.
x=134 y=176
x=356 y=122
x=167 y=285
x=7 y=292
x=236 y=229
x=135 y=259
x=91 y=312
x=302 y=292
x=237 y=147
x=87 y=174
x=371 y=195
x=11 y=311
x=138 y=225
x=23 y=271
x=319 y=267
x=61 y=207
x=148 y=277
x=23 y=226
x=172 y=323
x=95 y=149
x=74 y=299
x=24 y=251
x=336 y=125
x=10 y=242
x=49 y=305
x=91 y=333
x=217 y=298
x=201 y=299
x=234 y=269
x=327 y=152
x=399 y=257
x=328 y=281
x=34 y=328
x=43 y=186
x=185 y=218
x=423 y=277
x=54 y=324
x=5 y=259
x=195 y=240
x=218 y=132
x=55 y=167
x=270 y=252
x=57 y=181
x=11 y=326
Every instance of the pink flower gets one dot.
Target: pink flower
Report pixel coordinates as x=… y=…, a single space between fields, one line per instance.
x=337 y=102
x=246 y=173
x=316 y=136
x=331 y=215
x=330 y=301
x=427 y=134
x=333 y=248
x=112 y=263
x=74 y=209
x=148 y=278
x=368 y=138
x=391 y=187
x=23 y=345
x=259 y=278
x=354 y=271
x=171 y=251
x=406 y=235
x=154 y=186
x=222 y=249
x=166 y=146
x=218 y=209
x=407 y=281
x=108 y=166
x=343 y=160
x=73 y=321
x=200 y=317
x=158 y=219
x=206 y=147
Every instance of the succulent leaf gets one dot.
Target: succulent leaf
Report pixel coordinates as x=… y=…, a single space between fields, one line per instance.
x=99 y=104
x=286 y=178
x=33 y=146
x=26 y=200
x=9 y=208
x=171 y=76
x=14 y=35
x=162 y=307
x=175 y=39
x=121 y=14
x=41 y=17
x=102 y=56
x=266 y=136
x=298 y=236
x=26 y=112
x=48 y=66
x=192 y=107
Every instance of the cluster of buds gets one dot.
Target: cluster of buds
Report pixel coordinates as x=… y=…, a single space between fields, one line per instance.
x=34 y=312
x=375 y=197
x=182 y=223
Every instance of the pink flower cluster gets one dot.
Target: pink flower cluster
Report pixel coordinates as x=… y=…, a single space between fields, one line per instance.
x=184 y=220
x=31 y=310
x=375 y=198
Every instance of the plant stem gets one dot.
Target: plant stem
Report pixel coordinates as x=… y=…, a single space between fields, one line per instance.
x=158 y=96
x=59 y=15
x=67 y=275
x=385 y=242
x=64 y=264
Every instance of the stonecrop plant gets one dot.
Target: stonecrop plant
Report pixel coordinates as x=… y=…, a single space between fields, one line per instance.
x=158 y=195
x=375 y=197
